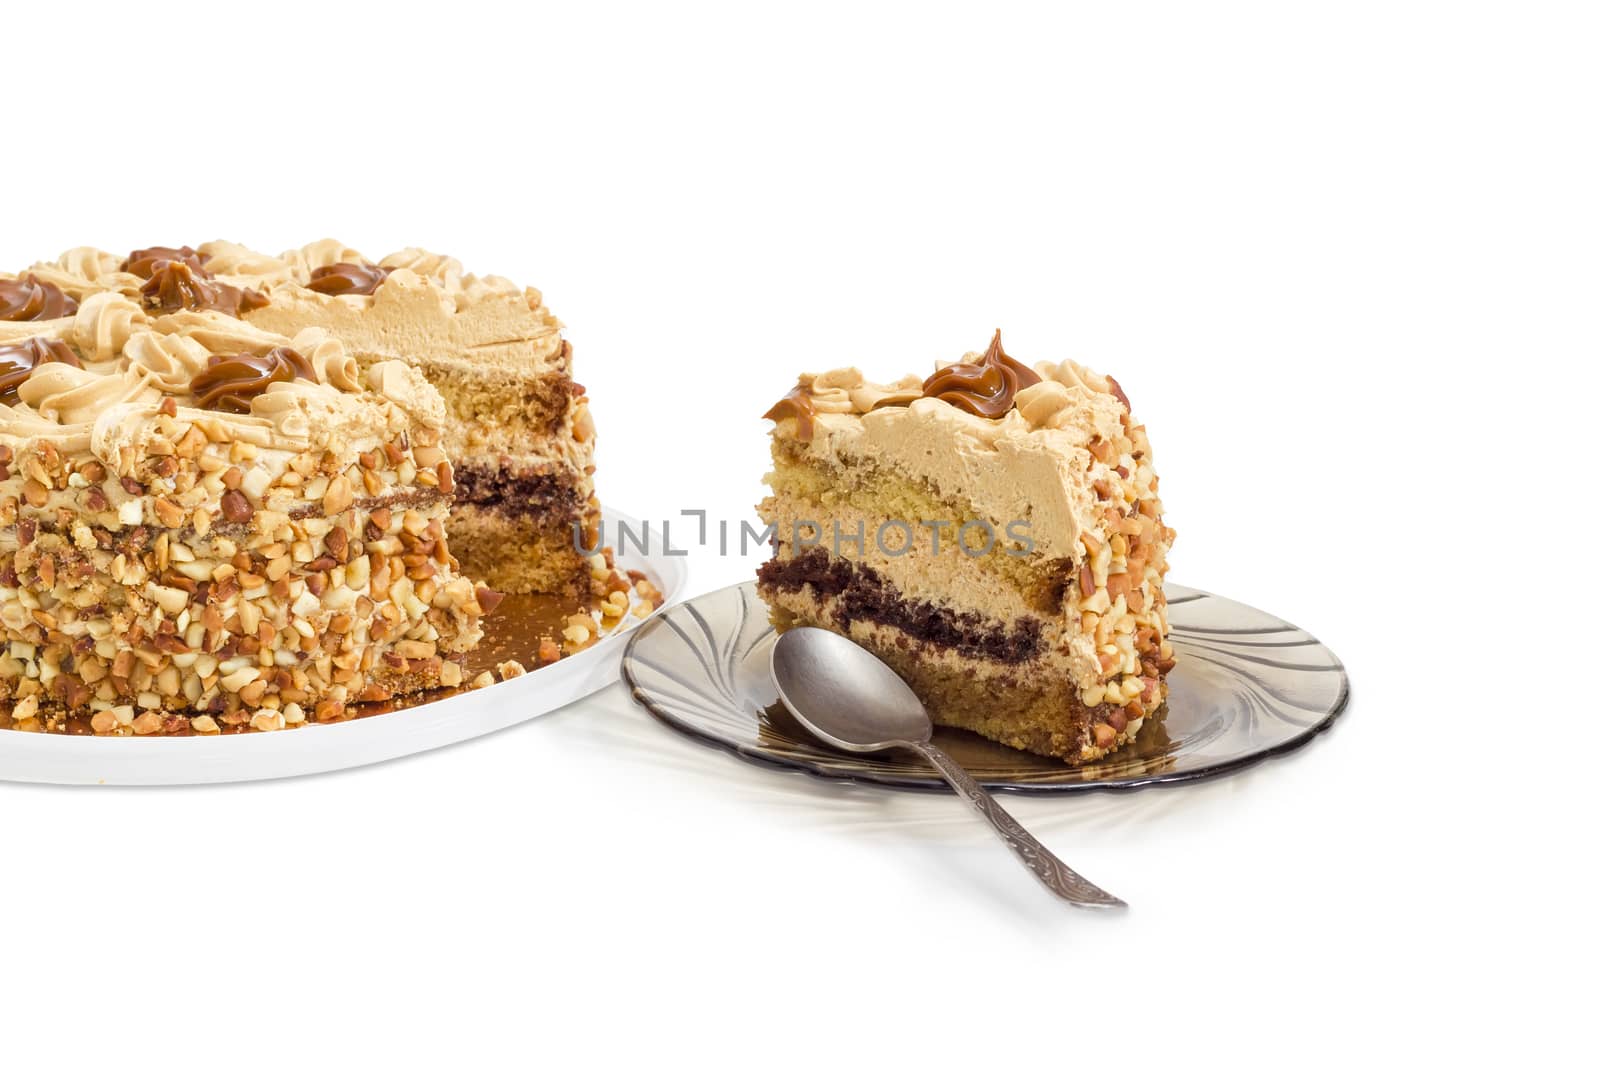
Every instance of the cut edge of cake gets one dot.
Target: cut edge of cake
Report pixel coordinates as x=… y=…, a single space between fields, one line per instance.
x=518 y=427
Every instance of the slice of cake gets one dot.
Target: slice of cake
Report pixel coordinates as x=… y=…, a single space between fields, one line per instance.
x=992 y=532
x=517 y=427
x=204 y=524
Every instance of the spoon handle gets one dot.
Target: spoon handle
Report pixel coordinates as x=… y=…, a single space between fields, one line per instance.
x=1060 y=879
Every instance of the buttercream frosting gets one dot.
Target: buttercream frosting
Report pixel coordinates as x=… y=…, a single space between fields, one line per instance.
x=157 y=317
x=1030 y=462
x=112 y=398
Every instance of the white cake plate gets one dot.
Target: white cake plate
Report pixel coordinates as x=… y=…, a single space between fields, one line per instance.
x=65 y=759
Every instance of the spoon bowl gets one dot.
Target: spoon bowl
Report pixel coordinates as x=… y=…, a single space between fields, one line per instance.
x=844 y=694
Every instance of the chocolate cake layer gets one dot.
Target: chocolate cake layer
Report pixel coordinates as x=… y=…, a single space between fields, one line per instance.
x=857 y=592
x=551 y=495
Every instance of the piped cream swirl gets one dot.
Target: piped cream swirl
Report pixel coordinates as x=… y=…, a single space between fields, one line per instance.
x=245 y=267
x=74 y=396
x=103 y=324
x=444 y=271
x=171 y=361
x=326 y=354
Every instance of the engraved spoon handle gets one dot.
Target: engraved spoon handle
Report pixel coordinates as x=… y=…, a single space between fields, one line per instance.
x=1060 y=879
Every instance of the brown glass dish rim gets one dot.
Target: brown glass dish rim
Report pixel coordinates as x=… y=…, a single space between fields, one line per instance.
x=845 y=768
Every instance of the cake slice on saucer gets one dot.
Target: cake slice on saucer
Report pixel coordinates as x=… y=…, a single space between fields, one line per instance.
x=992 y=531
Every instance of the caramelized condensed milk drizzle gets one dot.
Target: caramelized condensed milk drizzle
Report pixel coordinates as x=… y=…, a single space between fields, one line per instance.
x=987 y=388
x=521 y=621
x=27 y=299
x=230 y=382
x=175 y=286
x=176 y=279
x=347 y=279
x=20 y=359
x=796 y=404
x=142 y=262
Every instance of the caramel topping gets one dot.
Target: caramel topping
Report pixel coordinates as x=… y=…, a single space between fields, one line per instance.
x=19 y=360
x=145 y=261
x=175 y=286
x=347 y=279
x=987 y=388
x=242 y=300
x=27 y=299
x=229 y=383
x=796 y=404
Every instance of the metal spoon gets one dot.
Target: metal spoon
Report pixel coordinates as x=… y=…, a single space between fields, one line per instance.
x=851 y=699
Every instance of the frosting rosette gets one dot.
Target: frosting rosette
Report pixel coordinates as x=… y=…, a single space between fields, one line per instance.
x=104 y=323
x=73 y=396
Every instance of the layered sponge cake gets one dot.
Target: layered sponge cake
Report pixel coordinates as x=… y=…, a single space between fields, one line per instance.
x=993 y=532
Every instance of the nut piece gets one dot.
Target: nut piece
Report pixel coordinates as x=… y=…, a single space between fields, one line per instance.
x=267 y=720
x=488 y=599
x=169 y=513
x=236 y=507
x=338 y=496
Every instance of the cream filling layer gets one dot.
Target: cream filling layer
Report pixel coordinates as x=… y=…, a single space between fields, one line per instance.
x=1007 y=471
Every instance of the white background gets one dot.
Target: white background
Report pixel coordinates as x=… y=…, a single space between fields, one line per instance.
x=1344 y=261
